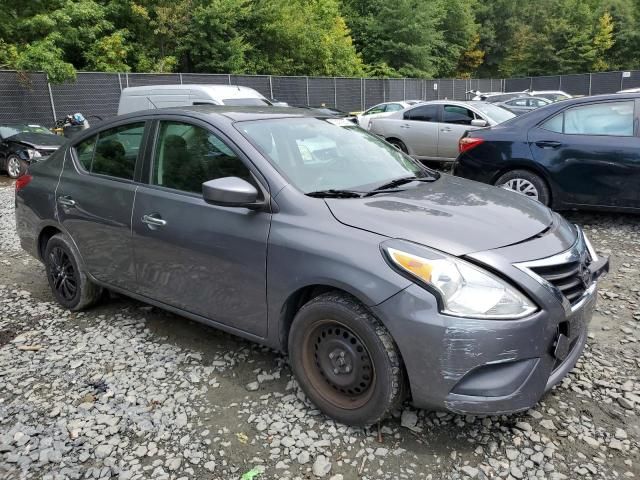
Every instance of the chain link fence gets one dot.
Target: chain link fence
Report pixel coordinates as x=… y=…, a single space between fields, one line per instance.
x=30 y=98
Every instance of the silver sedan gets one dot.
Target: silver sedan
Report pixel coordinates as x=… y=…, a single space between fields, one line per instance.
x=432 y=130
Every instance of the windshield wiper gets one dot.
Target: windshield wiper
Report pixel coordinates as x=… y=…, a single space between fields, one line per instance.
x=333 y=193
x=404 y=180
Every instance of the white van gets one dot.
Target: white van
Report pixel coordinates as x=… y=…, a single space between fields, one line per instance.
x=134 y=99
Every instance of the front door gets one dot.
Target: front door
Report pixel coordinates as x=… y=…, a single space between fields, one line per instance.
x=456 y=120
x=95 y=198
x=593 y=153
x=202 y=258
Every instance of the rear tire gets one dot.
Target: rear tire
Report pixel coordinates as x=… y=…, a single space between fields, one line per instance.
x=525 y=183
x=16 y=167
x=345 y=360
x=399 y=144
x=69 y=283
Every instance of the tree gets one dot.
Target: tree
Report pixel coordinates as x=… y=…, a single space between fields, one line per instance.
x=602 y=42
x=215 y=41
x=404 y=34
x=301 y=37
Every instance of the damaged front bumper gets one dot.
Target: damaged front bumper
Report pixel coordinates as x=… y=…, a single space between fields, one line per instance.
x=490 y=367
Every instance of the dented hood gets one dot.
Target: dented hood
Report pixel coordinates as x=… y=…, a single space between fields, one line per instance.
x=452 y=215
x=38 y=140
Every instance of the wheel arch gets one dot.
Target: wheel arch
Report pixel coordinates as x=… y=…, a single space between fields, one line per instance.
x=531 y=168
x=43 y=238
x=303 y=295
x=392 y=138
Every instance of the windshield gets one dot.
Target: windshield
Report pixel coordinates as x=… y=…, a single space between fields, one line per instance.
x=252 y=102
x=316 y=154
x=495 y=113
x=7 y=131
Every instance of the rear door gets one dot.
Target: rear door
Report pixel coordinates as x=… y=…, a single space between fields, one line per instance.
x=419 y=130
x=205 y=259
x=95 y=198
x=592 y=152
x=456 y=120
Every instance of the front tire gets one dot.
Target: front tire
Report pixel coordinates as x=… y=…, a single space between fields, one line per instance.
x=68 y=282
x=345 y=360
x=16 y=167
x=399 y=144
x=526 y=183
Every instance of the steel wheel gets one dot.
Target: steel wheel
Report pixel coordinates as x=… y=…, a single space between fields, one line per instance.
x=14 y=166
x=63 y=275
x=339 y=365
x=522 y=186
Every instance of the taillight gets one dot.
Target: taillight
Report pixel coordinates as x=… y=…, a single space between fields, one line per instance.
x=22 y=182
x=467 y=143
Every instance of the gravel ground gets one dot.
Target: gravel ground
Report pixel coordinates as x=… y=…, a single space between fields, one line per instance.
x=127 y=391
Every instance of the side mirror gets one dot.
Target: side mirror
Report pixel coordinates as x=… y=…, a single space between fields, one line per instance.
x=231 y=192
x=478 y=122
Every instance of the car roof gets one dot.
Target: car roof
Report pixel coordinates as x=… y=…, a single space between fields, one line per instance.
x=229 y=113
x=462 y=103
x=596 y=98
x=548 y=91
x=212 y=90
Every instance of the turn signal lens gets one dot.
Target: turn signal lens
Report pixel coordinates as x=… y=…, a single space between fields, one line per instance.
x=467 y=143
x=22 y=182
x=412 y=264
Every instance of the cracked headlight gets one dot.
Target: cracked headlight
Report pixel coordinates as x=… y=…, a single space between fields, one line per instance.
x=33 y=153
x=465 y=289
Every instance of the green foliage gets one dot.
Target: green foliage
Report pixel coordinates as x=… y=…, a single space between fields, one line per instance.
x=377 y=38
x=300 y=37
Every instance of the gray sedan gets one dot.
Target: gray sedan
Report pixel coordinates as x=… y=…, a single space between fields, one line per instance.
x=381 y=278
x=524 y=104
x=432 y=130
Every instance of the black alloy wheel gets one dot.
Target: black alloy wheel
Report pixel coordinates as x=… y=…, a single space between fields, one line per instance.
x=69 y=284
x=63 y=274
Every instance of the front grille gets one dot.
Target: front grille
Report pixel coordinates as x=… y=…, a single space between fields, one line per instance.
x=566 y=277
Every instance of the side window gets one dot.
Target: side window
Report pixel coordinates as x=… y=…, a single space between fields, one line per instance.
x=457 y=115
x=186 y=156
x=425 y=113
x=554 y=124
x=394 y=107
x=613 y=118
x=85 y=151
x=117 y=151
x=378 y=109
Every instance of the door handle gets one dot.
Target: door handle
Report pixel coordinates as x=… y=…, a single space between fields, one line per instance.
x=153 y=221
x=445 y=129
x=66 y=201
x=548 y=144
x=405 y=125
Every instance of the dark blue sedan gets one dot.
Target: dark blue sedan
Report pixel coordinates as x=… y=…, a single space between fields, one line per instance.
x=582 y=153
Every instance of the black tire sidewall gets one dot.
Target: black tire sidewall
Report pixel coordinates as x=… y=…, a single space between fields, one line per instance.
x=536 y=180
x=58 y=241
x=399 y=144
x=382 y=397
